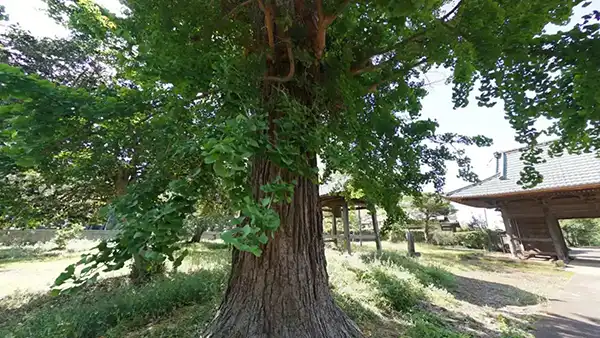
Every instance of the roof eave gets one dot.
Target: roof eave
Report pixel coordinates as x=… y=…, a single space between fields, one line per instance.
x=527 y=192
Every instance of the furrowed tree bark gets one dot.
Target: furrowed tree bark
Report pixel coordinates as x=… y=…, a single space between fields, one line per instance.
x=284 y=292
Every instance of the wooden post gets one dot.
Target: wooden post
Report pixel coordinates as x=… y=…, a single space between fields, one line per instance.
x=376 y=229
x=334 y=230
x=346 y=220
x=410 y=241
x=562 y=252
x=359 y=226
x=509 y=232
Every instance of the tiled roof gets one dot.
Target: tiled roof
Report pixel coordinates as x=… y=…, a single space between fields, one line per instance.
x=334 y=185
x=568 y=170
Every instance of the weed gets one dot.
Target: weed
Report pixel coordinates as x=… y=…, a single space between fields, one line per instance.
x=426 y=274
x=93 y=313
x=398 y=294
x=388 y=296
x=427 y=326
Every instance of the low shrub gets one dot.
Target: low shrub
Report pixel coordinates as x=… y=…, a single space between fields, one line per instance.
x=429 y=326
x=445 y=238
x=64 y=235
x=400 y=235
x=93 y=313
x=475 y=239
x=397 y=294
x=426 y=274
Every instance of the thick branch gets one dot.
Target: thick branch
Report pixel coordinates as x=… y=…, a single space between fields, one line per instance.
x=360 y=69
x=452 y=11
x=366 y=65
x=324 y=21
x=269 y=22
x=401 y=72
x=236 y=8
x=292 y=70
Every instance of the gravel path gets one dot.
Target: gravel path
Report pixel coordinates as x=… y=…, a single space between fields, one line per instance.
x=575 y=310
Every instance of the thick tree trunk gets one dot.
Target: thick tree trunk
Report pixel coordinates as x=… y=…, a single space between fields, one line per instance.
x=285 y=292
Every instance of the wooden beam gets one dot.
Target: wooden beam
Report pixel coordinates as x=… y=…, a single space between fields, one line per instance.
x=558 y=240
x=376 y=229
x=535 y=239
x=359 y=227
x=346 y=220
x=509 y=232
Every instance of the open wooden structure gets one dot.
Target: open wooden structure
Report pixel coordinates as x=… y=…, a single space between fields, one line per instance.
x=570 y=189
x=339 y=207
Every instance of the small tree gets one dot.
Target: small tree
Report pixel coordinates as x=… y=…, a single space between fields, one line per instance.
x=477 y=223
x=428 y=207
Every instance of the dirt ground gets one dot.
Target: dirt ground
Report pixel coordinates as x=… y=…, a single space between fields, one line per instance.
x=31 y=277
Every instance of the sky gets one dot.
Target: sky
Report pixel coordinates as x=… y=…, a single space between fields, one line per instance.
x=437 y=105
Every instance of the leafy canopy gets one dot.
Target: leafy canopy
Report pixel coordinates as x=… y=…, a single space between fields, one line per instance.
x=286 y=81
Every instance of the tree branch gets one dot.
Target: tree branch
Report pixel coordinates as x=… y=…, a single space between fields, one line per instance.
x=403 y=71
x=324 y=21
x=235 y=9
x=268 y=11
x=452 y=11
x=292 y=70
x=360 y=69
x=367 y=66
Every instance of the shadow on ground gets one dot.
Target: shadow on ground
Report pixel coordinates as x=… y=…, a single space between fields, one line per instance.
x=475 y=291
x=556 y=326
x=427 y=275
x=370 y=323
x=479 y=261
x=491 y=294
x=428 y=320
x=17 y=254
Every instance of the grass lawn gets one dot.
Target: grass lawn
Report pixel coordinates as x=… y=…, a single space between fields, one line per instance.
x=443 y=294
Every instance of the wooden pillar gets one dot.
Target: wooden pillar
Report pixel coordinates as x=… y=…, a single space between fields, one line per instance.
x=359 y=226
x=346 y=221
x=376 y=229
x=510 y=233
x=334 y=229
x=410 y=242
x=562 y=252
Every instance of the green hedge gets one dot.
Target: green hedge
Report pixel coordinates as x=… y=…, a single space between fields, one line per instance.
x=475 y=239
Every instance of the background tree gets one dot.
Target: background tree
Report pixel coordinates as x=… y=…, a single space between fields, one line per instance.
x=581 y=232
x=50 y=191
x=273 y=84
x=428 y=207
x=477 y=223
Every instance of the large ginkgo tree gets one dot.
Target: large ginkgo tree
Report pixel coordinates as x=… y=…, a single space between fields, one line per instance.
x=270 y=85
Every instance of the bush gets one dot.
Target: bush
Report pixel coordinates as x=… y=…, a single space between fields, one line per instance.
x=582 y=232
x=98 y=312
x=445 y=238
x=429 y=326
x=399 y=235
x=64 y=235
x=476 y=239
x=427 y=275
x=397 y=294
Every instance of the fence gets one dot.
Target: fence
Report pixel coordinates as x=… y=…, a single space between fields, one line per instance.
x=18 y=237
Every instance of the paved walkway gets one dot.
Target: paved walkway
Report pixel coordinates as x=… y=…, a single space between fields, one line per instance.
x=575 y=311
